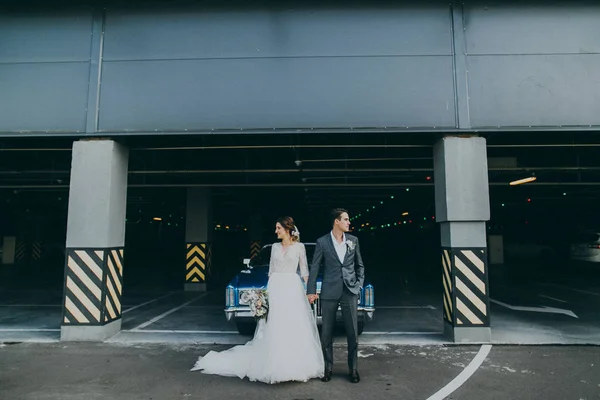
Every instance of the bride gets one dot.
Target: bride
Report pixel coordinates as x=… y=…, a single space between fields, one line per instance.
x=285 y=347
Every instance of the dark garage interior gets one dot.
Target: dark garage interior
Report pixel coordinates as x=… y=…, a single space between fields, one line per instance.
x=385 y=181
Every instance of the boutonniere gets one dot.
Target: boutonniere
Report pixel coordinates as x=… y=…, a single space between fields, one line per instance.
x=350 y=244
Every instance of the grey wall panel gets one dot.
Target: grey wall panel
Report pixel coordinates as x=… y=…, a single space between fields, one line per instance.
x=43 y=97
x=45 y=37
x=184 y=67
x=532 y=29
x=534 y=90
x=191 y=33
x=278 y=93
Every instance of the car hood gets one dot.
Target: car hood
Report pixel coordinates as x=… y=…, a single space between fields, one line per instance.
x=259 y=276
x=252 y=278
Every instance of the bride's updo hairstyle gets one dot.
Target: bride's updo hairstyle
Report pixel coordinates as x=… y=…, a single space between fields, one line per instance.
x=288 y=224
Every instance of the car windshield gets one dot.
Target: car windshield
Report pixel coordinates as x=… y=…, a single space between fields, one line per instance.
x=261 y=260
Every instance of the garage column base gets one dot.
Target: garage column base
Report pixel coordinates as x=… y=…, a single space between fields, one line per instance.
x=89 y=333
x=467 y=335
x=197 y=262
x=195 y=287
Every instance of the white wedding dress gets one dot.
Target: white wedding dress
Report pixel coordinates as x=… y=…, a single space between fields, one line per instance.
x=286 y=347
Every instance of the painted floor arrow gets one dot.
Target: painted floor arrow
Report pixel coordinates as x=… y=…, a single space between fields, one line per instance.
x=543 y=309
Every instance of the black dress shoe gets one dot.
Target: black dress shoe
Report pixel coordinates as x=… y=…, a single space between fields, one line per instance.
x=327 y=376
x=354 y=376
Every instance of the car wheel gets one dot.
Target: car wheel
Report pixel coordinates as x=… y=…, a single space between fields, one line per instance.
x=245 y=328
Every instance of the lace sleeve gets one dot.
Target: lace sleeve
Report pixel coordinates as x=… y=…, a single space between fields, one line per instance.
x=303 y=262
x=271 y=262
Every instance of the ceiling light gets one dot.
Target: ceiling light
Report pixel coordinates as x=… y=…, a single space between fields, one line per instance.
x=524 y=180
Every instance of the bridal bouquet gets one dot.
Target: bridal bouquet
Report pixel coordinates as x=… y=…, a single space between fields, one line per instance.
x=258 y=300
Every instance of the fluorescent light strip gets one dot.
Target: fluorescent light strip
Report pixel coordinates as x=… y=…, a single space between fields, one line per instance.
x=524 y=180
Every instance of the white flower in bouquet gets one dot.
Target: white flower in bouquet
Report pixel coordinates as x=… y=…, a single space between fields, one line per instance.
x=350 y=244
x=258 y=301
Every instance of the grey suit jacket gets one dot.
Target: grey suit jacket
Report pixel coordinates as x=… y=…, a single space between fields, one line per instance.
x=336 y=275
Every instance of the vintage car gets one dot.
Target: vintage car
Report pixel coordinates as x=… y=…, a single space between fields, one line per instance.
x=255 y=276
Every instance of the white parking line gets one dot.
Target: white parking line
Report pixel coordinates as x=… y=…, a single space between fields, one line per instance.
x=407 y=307
x=464 y=375
x=30 y=305
x=180 y=331
x=28 y=330
x=570 y=288
x=215 y=307
x=543 y=309
x=148 y=302
x=552 y=298
x=402 y=333
x=161 y=316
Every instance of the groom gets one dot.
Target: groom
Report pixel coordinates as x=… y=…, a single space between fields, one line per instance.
x=343 y=277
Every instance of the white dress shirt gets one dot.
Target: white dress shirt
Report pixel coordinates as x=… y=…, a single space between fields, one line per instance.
x=340 y=248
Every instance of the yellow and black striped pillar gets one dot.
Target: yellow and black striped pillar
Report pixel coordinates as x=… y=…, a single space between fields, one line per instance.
x=36 y=250
x=466 y=289
x=93 y=286
x=197 y=265
x=20 y=251
x=254 y=248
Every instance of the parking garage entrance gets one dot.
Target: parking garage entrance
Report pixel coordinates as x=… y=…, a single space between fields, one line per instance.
x=423 y=268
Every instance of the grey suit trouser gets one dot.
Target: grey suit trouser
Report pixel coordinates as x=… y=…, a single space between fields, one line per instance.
x=349 y=304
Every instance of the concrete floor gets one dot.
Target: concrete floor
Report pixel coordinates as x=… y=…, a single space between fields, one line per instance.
x=525 y=309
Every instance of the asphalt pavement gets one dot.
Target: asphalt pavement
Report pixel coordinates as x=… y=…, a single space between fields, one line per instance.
x=69 y=371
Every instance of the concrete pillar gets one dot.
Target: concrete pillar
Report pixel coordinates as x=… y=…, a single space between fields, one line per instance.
x=9 y=245
x=255 y=232
x=95 y=241
x=198 y=235
x=462 y=209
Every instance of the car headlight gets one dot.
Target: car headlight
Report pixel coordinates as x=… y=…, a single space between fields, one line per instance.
x=230 y=296
x=244 y=297
x=369 y=296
